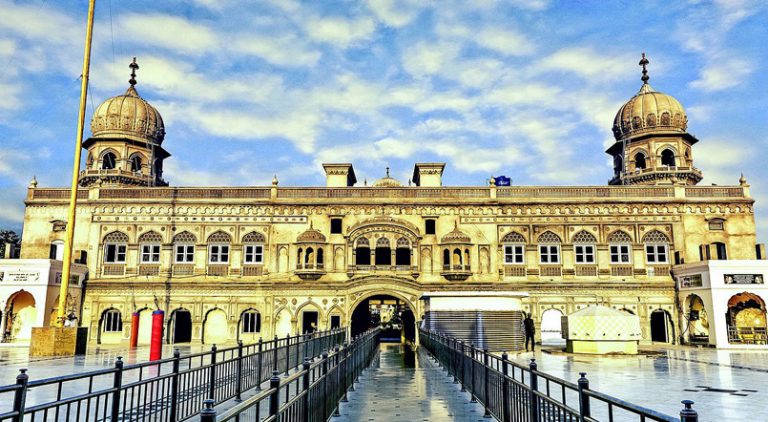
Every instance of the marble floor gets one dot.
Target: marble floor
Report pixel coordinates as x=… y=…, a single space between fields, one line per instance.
x=403 y=386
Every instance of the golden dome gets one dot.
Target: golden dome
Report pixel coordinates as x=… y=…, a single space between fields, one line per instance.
x=128 y=116
x=311 y=236
x=456 y=236
x=649 y=111
x=387 y=182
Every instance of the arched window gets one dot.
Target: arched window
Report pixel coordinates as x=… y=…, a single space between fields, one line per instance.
x=115 y=246
x=403 y=252
x=549 y=248
x=584 y=247
x=111 y=321
x=184 y=247
x=383 y=252
x=665 y=119
x=108 y=161
x=309 y=257
x=687 y=156
x=514 y=248
x=362 y=252
x=446 y=259
x=218 y=248
x=457 y=261
x=253 y=248
x=656 y=247
x=251 y=321
x=620 y=247
x=136 y=163
x=149 y=245
x=640 y=161
x=637 y=123
x=319 y=257
x=667 y=158
x=650 y=121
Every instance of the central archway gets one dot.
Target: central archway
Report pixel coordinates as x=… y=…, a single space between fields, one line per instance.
x=393 y=314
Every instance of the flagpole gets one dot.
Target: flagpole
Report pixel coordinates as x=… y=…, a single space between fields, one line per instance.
x=67 y=264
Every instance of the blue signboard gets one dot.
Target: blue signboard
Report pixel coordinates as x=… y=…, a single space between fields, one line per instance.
x=503 y=181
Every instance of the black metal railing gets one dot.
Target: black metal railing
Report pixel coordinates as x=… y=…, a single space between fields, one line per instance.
x=514 y=392
x=171 y=389
x=309 y=395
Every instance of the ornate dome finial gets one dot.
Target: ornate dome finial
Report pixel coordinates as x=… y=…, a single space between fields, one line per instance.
x=134 y=67
x=33 y=182
x=742 y=180
x=387 y=171
x=274 y=180
x=644 y=62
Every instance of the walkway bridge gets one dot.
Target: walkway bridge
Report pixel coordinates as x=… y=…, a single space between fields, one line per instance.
x=359 y=380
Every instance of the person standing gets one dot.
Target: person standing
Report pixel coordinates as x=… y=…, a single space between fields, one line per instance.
x=530 y=331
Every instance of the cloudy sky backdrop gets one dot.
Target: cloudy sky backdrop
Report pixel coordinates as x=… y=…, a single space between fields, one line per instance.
x=524 y=88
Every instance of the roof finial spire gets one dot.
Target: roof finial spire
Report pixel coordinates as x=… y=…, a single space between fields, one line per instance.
x=644 y=62
x=387 y=171
x=134 y=66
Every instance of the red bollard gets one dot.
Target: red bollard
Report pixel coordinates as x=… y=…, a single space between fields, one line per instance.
x=156 y=346
x=134 y=330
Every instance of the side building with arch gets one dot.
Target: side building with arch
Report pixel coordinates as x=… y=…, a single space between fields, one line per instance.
x=242 y=263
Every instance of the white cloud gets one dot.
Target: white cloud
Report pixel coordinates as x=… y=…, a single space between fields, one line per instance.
x=505 y=41
x=338 y=30
x=395 y=13
x=723 y=74
x=286 y=50
x=588 y=64
x=425 y=59
x=170 y=32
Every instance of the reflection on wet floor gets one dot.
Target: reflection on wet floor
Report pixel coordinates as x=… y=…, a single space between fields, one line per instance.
x=403 y=385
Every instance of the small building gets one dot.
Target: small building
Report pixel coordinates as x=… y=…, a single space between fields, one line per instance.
x=600 y=329
x=722 y=303
x=29 y=295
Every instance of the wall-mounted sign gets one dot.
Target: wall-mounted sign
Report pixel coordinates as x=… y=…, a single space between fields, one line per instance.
x=743 y=279
x=20 y=277
x=503 y=181
x=693 y=280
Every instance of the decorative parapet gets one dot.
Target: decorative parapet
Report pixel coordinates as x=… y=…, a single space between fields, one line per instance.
x=403 y=194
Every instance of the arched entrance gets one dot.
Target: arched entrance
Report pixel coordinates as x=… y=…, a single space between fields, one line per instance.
x=215 y=330
x=698 y=320
x=661 y=326
x=283 y=323
x=20 y=317
x=551 y=327
x=746 y=319
x=391 y=313
x=180 y=326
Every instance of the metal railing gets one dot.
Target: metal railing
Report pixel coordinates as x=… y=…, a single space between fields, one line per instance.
x=171 y=389
x=514 y=392
x=309 y=395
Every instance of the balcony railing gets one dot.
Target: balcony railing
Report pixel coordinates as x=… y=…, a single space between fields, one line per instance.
x=585 y=270
x=218 y=270
x=183 y=269
x=456 y=272
x=252 y=270
x=113 y=269
x=149 y=270
x=514 y=270
x=621 y=270
x=551 y=270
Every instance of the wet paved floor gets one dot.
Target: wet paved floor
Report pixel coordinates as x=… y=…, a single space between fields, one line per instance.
x=403 y=386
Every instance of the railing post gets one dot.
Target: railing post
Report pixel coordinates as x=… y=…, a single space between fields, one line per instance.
x=456 y=360
x=345 y=371
x=212 y=375
x=335 y=388
x=472 y=367
x=116 y=384
x=583 y=397
x=260 y=361
x=287 y=353
x=486 y=382
x=20 y=396
x=274 y=397
x=505 y=404
x=534 y=384
x=305 y=387
x=208 y=414
x=463 y=365
x=324 y=363
x=688 y=414
x=239 y=385
x=274 y=354
x=351 y=365
x=175 y=386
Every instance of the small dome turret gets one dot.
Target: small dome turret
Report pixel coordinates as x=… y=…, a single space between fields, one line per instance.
x=456 y=236
x=312 y=235
x=387 y=182
x=128 y=116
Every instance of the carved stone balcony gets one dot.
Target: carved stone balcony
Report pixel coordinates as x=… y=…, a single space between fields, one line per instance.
x=310 y=271
x=456 y=272
x=410 y=270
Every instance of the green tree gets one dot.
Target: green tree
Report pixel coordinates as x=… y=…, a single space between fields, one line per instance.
x=6 y=237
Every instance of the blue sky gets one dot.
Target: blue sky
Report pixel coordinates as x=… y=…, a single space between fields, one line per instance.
x=525 y=88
